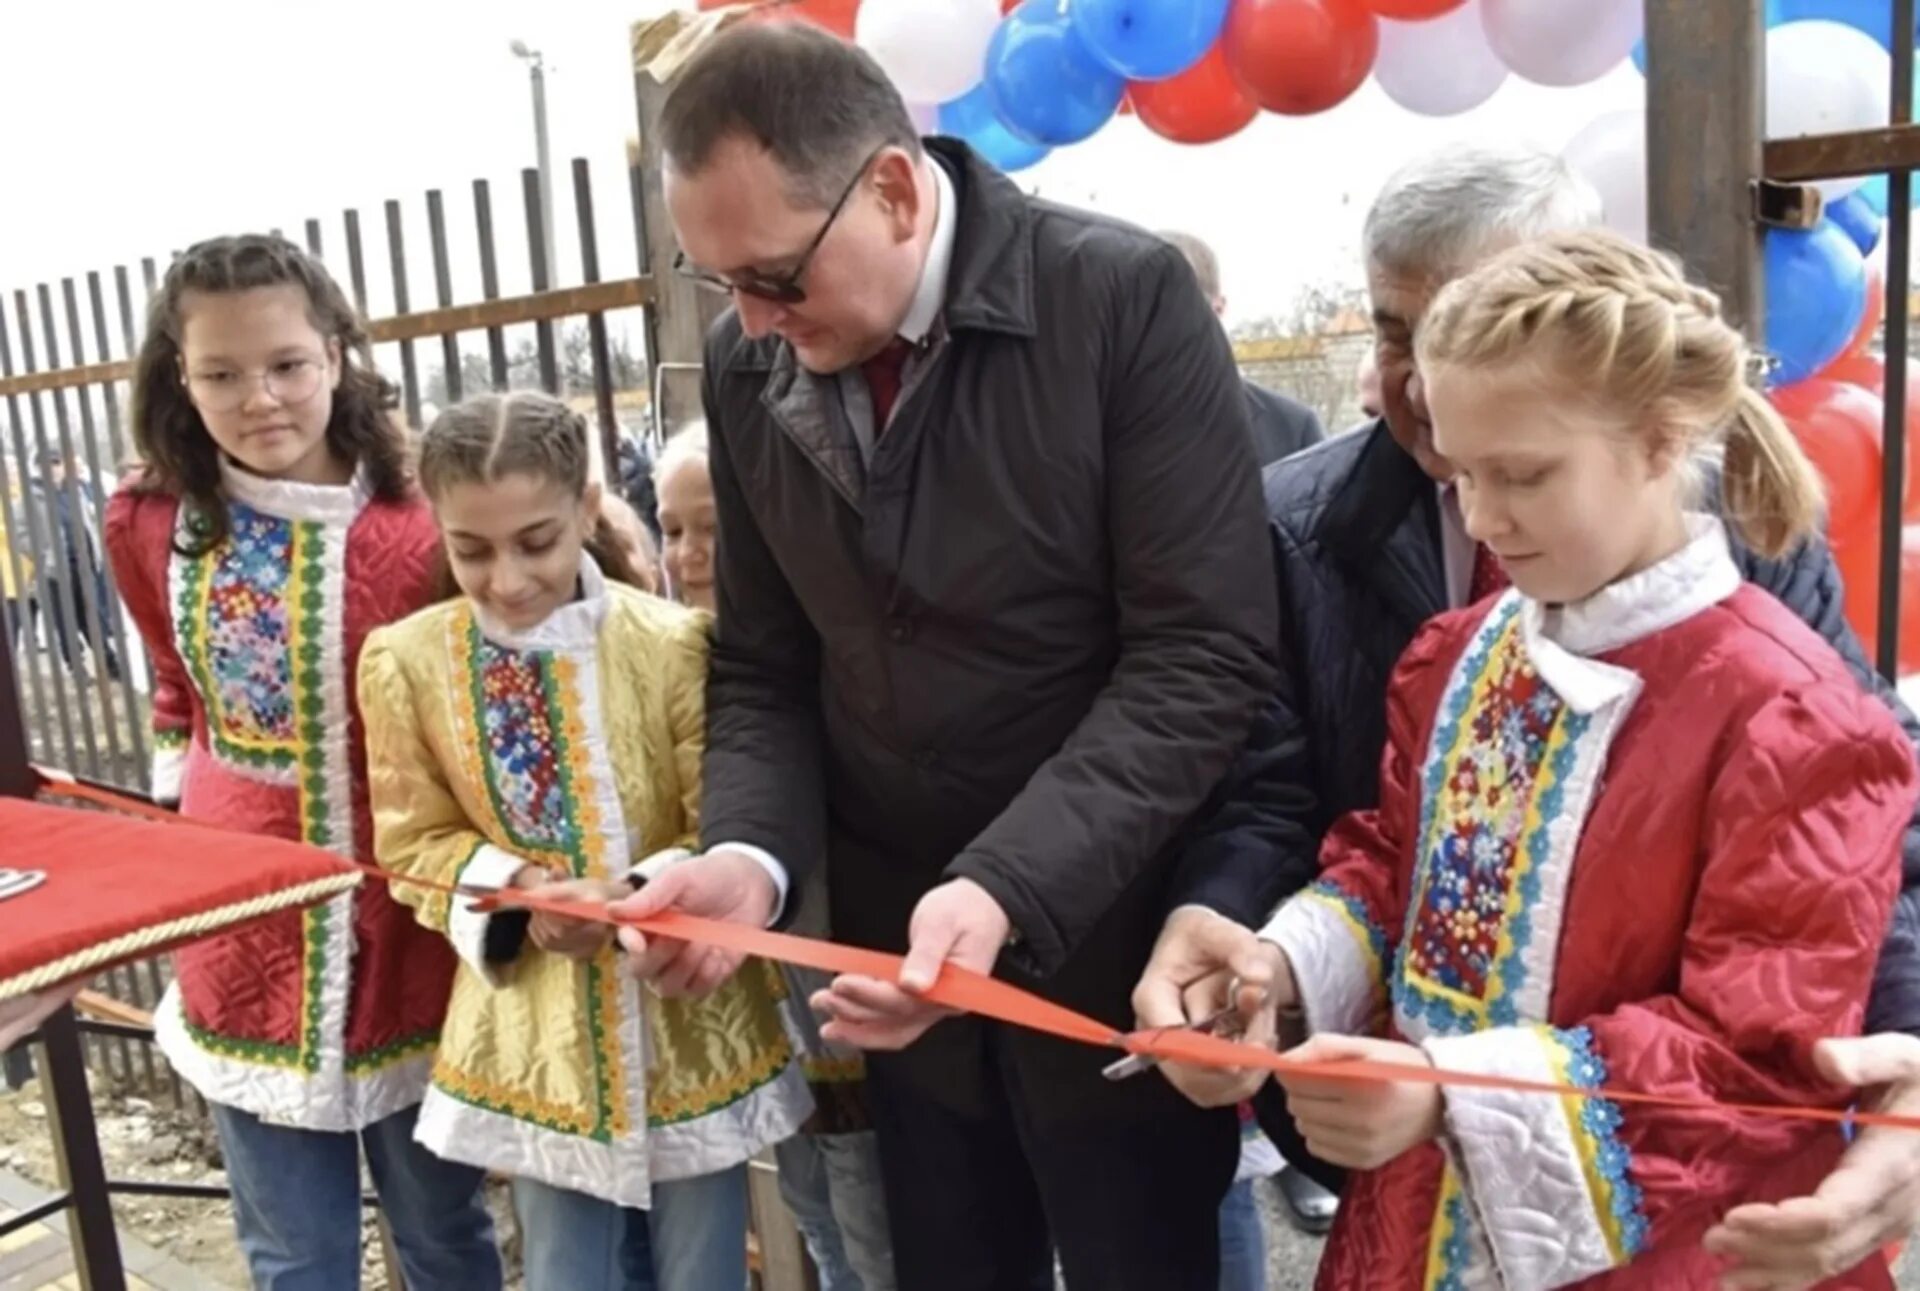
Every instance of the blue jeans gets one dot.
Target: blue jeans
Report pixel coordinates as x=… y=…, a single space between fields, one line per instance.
x=831 y=1183
x=694 y=1238
x=1243 y=1246
x=296 y=1203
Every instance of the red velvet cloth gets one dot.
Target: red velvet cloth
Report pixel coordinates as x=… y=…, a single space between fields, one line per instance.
x=110 y=877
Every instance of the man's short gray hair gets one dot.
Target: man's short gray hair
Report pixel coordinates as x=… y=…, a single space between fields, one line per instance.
x=1206 y=265
x=1447 y=211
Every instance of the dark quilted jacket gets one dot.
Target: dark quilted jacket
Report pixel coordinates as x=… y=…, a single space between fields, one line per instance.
x=1355 y=528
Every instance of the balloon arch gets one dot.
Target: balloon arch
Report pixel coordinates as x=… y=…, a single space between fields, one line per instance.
x=1019 y=78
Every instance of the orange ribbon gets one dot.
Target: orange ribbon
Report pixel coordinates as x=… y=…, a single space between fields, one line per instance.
x=967 y=991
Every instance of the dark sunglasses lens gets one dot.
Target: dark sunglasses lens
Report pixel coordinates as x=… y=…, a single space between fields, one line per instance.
x=777 y=293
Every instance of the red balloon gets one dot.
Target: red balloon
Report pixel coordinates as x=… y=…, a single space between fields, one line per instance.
x=1126 y=108
x=1876 y=312
x=1858 y=554
x=1300 y=56
x=1413 y=10
x=1203 y=104
x=1864 y=370
x=834 y=15
x=1870 y=373
x=1839 y=428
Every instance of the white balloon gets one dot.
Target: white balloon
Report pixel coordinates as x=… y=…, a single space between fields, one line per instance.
x=925 y=117
x=1562 y=42
x=1824 y=77
x=1441 y=66
x=1611 y=154
x=935 y=50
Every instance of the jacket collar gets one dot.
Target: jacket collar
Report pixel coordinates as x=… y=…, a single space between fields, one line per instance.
x=319 y=503
x=1382 y=523
x=1562 y=640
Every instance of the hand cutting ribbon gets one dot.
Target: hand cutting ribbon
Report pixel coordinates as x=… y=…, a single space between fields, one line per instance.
x=963 y=990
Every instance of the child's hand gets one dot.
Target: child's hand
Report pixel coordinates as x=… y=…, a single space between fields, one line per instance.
x=575 y=938
x=1361 y=1124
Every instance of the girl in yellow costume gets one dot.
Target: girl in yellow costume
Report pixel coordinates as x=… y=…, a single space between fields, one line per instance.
x=544 y=730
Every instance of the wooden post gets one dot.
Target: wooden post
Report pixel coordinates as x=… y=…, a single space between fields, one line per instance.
x=680 y=312
x=1705 y=128
x=783 y=1261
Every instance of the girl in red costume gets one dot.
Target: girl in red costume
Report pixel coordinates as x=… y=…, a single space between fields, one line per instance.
x=1638 y=824
x=273 y=524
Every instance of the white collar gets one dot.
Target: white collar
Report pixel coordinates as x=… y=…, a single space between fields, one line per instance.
x=573 y=626
x=1561 y=639
x=931 y=294
x=320 y=503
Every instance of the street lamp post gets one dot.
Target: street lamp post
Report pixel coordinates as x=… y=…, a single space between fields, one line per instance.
x=537 y=72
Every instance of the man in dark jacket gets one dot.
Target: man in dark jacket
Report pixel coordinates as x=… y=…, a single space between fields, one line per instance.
x=1369 y=544
x=1281 y=425
x=994 y=617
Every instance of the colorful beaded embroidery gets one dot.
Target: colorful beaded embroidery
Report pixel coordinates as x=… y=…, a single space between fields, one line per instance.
x=1490 y=794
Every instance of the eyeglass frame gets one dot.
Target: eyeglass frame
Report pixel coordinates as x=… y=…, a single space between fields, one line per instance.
x=781 y=289
x=263 y=379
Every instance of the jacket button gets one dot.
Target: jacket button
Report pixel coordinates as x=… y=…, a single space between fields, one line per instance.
x=899 y=631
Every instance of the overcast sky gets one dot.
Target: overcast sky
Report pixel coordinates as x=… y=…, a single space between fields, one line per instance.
x=132 y=128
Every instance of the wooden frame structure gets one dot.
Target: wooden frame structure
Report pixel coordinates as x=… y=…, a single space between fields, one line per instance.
x=1715 y=181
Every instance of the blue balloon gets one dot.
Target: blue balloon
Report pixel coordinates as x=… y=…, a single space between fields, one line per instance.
x=1858 y=220
x=1875 y=17
x=971 y=118
x=1816 y=297
x=1874 y=193
x=1045 y=83
x=1149 y=40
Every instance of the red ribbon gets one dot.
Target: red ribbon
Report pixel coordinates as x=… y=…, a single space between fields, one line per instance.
x=964 y=990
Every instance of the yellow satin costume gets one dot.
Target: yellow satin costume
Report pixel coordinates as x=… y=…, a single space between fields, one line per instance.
x=574 y=745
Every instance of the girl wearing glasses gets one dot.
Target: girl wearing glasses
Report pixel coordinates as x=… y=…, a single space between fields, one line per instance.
x=272 y=525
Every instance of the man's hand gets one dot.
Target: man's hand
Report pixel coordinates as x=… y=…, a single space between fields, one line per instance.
x=1361 y=1124
x=574 y=938
x=1872 y=1197
x=957 y=921
x=723 y=885
x=1194 y=964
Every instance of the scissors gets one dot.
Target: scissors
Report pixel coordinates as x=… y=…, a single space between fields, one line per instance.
x=15 y=882
x=1224 y=1022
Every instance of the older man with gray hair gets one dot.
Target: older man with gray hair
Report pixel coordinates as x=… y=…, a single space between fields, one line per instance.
x=1369 y=544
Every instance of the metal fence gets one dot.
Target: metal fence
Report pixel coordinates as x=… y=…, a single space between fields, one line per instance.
x=66 y=360
x=66 y=352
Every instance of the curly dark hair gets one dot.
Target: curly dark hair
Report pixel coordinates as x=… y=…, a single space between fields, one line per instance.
x=178 y=453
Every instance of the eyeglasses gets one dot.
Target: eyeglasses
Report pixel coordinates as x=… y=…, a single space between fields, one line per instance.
x=289 y=381
x=782 y=288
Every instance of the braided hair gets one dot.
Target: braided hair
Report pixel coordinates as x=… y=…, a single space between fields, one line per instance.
x=485 y=438
x=178 y=453
x=1623 y=329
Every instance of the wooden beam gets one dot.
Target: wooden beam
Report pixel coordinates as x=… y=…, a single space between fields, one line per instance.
x=1705 y=124
x=107 y=1009
x=1837 y=156
x=539 y=307
x=535 y=307
x=682 y=312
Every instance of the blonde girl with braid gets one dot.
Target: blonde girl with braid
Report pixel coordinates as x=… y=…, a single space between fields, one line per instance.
x=1639 y=826
x=543 y=730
